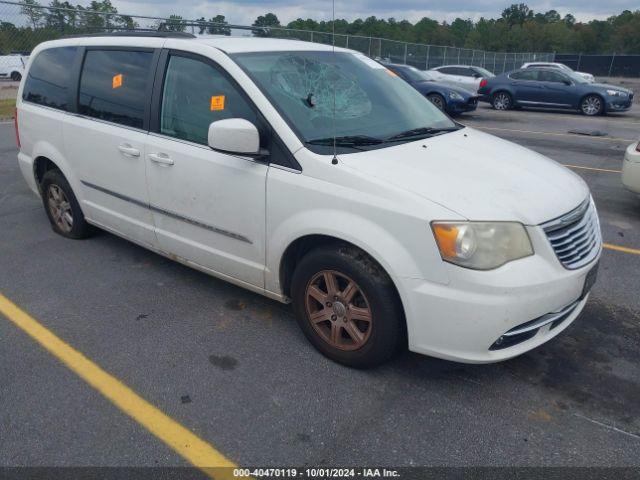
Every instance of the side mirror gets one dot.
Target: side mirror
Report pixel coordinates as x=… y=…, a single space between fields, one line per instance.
x=566 y=82
x=477 y=75
x=234 y=135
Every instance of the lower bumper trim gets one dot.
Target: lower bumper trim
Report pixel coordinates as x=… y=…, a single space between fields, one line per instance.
x=528 y=330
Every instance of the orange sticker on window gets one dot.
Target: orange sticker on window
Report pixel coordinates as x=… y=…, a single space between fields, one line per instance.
x=116 y=81
x=217 y=103
x=392 y=73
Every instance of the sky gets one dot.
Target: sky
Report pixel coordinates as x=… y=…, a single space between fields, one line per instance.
x=245 y=11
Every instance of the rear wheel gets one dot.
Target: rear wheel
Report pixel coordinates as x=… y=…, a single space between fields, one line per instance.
x=502 y=101
x=437 y=100
x=16 y=76
x=62 y=207
x=592 y=105
x=347 y=306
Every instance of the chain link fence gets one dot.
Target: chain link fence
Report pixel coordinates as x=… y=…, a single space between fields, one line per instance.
x=24 y=25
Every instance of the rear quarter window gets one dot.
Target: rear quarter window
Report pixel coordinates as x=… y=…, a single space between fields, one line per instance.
x=49 y=78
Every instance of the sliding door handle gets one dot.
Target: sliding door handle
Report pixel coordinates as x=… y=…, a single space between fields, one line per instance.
x=161 y=158
x=128 y=151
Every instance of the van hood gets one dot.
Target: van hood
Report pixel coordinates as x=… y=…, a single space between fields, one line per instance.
x=477 y=176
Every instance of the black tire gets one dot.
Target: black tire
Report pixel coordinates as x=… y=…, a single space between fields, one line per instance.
x=54 y=182
x=438 y=100
x=16 y=76
x=592 y=105
x=386 y=329
x=502 y=101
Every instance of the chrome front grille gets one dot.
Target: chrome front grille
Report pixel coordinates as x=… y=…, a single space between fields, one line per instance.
x=575 y=237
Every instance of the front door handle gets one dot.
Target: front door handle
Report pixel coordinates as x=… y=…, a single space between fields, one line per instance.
x=161 y=158
x=128 y=151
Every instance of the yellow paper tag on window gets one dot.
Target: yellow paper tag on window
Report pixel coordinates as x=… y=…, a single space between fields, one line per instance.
x=217 y=103
x=391 y=73
x=116 y=81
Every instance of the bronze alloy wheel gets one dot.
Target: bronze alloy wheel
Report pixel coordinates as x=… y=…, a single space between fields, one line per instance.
x=338 y=310
x=60 y=208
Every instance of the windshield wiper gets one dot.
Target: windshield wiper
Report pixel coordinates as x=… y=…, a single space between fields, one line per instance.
x=346 y=141
x=422 y=132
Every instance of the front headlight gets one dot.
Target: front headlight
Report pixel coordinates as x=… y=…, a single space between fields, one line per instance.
x=616 y=93
x=481 y=245
x=455 y=96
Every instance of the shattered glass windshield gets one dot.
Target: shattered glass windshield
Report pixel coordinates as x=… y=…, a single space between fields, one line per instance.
x=372 y=104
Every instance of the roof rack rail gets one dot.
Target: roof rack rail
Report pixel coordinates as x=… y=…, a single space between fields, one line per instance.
x=136 y=33
x=164 y=25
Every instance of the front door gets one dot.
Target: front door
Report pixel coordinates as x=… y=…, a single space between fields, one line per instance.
x=557 y=92
x=208 y=207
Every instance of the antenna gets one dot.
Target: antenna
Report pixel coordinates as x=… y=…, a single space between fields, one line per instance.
x=334 y=160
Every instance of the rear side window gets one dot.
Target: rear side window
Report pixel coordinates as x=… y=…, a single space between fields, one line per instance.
x=113 y=86
x=196 y=94
x=463 y=72
x=49 y=77
x=524 y=75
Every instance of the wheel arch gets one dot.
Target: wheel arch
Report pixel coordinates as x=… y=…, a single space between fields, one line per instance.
x=42 y=165
x=504 y=90
x=298 y=248
x=593 y=94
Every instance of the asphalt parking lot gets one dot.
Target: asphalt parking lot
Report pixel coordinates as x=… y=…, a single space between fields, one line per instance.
x=234 y=368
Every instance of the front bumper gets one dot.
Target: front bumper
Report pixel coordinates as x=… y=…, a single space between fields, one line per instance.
x=631 y=169
x=460 y=106
x=615 y=104
x=463 y=320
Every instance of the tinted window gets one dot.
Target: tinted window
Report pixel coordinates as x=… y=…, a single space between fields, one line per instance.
x=196 y=94
x=550 y=76
x=409 y=73
x=464 y=72
x=524 y=75
x=447 y=70
x=483 y=72
x=48 y=79
x=113 y=86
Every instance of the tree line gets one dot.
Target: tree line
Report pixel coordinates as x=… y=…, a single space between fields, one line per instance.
x=518 y=29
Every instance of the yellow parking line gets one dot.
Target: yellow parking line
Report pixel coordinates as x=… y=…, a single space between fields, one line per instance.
x=593 y=168
x=184 y=442
x=618 y=248
x=556 y=134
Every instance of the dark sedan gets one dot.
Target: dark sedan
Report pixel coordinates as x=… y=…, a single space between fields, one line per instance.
x=551 y=88
x=452 y=100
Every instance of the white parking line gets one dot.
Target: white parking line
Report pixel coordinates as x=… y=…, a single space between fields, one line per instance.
x=555 y=134
x=569 y=116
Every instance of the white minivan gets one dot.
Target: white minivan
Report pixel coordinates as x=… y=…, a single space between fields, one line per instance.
x=315 y=177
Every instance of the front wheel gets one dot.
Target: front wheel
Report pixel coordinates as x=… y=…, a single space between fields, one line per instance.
x=347 y=306
x=502 y=101
x=437 y=100
x=592 y=105
x=16 y=76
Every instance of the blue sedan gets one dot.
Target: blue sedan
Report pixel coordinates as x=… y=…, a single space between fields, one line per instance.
x=452 y=100
x=551 y=88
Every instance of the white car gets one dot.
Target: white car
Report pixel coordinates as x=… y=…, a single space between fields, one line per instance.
x=631 y=168
x=12 y=66
x=313 y=177
x=561 y=66
x=463 y=76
